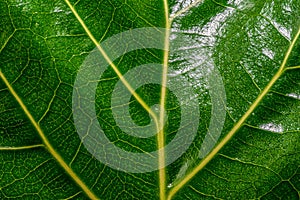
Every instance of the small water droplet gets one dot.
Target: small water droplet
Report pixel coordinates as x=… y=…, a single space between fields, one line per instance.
x=269 y=53
x=275 y=128
x=293 y=95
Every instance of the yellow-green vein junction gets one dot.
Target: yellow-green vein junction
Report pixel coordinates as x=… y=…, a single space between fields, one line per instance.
x=46 y=142
x=114 y=67
x=239 y=124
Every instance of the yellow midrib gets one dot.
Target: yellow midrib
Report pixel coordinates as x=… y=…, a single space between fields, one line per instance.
x=161 y=134
x=46 y=142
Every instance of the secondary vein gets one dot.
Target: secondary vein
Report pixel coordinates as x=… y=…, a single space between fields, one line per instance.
x=21 y=148
x=114 y=67
x=292 y=68
x=239 y=124
x=46 y=142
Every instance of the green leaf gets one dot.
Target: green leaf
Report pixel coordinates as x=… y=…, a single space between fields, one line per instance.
x=252 y=46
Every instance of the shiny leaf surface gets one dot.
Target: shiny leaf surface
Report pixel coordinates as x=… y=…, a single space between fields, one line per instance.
x=251 y=45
